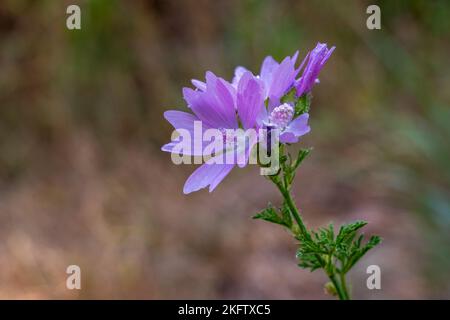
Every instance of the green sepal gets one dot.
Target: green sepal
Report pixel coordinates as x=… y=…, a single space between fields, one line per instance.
x=302 y=105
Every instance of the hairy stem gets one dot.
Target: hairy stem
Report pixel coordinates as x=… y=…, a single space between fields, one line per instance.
x=341 y=286
x=284 y=188
x=344 y=286
x=292 y=207
x=336 y=284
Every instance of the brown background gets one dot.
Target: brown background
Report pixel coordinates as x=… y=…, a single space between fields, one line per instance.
x=83 y=180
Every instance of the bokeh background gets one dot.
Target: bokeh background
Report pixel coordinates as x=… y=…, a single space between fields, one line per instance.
x=83 y=180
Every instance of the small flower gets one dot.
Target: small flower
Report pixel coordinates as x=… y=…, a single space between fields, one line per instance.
x=248 y=102
x=316 y=60
x=216 y=104
x=290 y=129
x=282 y=115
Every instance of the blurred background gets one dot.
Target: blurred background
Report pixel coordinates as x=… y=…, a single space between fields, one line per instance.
x=83 y=180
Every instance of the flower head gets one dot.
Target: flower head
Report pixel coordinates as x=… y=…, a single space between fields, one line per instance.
x=216 y=104
x=282 y=115
x=316 y=60
x=248 y=102
x=290 y=128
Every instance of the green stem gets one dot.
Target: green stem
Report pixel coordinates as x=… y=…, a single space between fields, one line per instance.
x=295 y=213
x=284 y=187
x=341 y=288
x=344 y=286
x=336 y=284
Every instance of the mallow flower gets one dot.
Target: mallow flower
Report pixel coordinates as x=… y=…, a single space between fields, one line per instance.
x=282 y=119
x=249 y=101
x=217 y=104
x=316 y=60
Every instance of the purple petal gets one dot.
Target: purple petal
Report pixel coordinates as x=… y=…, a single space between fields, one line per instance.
x=288 y=137
x=327 y=56
x=250 y=99
x=194 y=145
x=221 y=97
x=190 y=96
x=267 y=68
x=303 y=62
x=283 y=78
x=207 y=174
x=243 y=156
x=226 y=168
x=294 y=57
x=189 y=147
x=216 y=106
x=316 y=60
x=263 y=117
x=299 y=126
x=238 y=73
x=200 y=85
x=232 y=91
x=181 y=120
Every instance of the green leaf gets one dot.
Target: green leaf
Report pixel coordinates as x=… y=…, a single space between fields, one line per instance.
x=290 y=171
x=348 y=232
x=286 y=214
x=302 y=154
x=270 y=214
x=355 y=252
x=334 y=253
x=373 y=241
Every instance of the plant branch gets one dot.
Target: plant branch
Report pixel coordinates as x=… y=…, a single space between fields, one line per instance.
x=321 y=249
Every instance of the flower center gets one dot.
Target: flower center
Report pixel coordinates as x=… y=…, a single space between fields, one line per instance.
x=228 y=137
x=282 y=115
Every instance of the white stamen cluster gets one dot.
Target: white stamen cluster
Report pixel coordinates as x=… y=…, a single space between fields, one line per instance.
x=282 y=115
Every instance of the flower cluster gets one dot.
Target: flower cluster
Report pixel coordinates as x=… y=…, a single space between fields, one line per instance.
x=266 y=101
